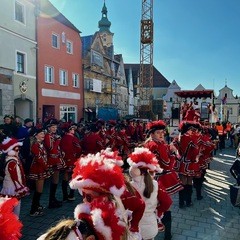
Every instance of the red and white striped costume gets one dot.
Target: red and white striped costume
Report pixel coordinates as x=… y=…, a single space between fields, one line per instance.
x=167 y=161
x=54 y=155
x=71 y=149
x=39 y=168
x=189 y=150
x=206 y=148
x=14 y=183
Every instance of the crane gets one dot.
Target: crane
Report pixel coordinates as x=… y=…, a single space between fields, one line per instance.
x=146 y=61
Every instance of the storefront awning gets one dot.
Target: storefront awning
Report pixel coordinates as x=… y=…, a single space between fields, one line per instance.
x=195 y=93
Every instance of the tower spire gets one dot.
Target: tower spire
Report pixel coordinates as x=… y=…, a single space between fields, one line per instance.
x=104 y=24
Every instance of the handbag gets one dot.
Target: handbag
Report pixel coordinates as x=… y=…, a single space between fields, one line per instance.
x=235 y=195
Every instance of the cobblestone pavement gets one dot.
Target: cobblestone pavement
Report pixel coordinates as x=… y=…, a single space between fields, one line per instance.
x=212 y=218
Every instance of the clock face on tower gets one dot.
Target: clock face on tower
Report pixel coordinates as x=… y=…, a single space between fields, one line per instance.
x=106 y=39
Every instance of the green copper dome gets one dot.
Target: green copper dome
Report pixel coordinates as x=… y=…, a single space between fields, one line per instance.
x=104 y=24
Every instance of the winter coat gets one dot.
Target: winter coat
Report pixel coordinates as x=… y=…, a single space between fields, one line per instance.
x=148 y=224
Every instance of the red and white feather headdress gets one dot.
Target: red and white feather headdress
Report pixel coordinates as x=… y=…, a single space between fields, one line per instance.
x=10 y=225
x=9 y=144
x=112 y=156
x=92 y=172
x=103 y=217
x=143 y=158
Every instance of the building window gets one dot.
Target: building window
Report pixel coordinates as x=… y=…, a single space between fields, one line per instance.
x=69 y=47
x=20 y=62
x=55 y=41
x=49 y=74
x=69 y=113
x=75 y=80
x=90 y=85
x=19 y=12
x=63 y=77
x=96 y=58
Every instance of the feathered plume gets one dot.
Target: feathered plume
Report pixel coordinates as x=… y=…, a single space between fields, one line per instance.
x=93 y=172
x=10 y=225
x=143 y=158
x=111 y=156
x=103 y=217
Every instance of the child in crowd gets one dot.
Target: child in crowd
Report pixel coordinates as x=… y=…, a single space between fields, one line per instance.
x=14 y=183
x=143 y=164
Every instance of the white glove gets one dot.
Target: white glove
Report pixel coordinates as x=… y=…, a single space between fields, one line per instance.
x=134 y=236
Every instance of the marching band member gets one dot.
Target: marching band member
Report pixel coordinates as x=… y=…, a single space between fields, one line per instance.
x=55 y=160
x=71 y=150
x=92 y=141
x=166 y=155
x=190 y=152
x=39 y=169
x=207 y=146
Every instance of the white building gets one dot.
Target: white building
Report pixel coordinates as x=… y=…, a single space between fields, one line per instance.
x=171 y=98
x=227 y=105
x=18 y=58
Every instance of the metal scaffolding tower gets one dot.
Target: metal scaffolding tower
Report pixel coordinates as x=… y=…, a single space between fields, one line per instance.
x=146 y=61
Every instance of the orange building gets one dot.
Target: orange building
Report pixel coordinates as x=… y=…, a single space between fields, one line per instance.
x=59 y=66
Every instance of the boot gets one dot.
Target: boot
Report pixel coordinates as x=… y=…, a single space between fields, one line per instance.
x=198 y=187
x=181 y=198
x=65 y=190
x=53 y=202
x=167 y=221
x=189 y=195
x=71 y=195
x=36 y=209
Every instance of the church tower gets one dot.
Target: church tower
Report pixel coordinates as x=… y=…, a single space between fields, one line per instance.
x=104 y=28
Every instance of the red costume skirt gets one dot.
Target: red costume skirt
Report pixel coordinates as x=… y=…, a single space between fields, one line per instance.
x=56 y=163
x=171 y=181
x=39 y=171
x=191 y=169
x=70 y=164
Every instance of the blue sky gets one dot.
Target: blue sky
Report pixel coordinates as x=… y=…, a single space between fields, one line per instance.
x=195 y=41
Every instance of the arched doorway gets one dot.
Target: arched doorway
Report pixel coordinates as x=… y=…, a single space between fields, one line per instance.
x=23 y=108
